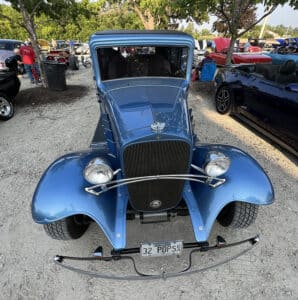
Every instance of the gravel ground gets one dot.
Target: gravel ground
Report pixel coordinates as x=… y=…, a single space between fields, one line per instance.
x=45 y=128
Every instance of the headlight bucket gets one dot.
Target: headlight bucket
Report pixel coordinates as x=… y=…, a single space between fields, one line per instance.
x=217 y=164
x=98 y=171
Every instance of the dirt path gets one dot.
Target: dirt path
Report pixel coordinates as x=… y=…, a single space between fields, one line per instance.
x=40 y=133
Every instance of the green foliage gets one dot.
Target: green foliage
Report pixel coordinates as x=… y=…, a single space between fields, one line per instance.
x=272 y=31
x=90 y=17
x=190 y=29
x=156 y=14
x=56 y=19
x=11 y=30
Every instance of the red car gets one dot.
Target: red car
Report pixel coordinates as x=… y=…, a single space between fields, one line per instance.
x=63 y=56
x=222 y=46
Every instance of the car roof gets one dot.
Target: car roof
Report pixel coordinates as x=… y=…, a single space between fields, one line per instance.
x=112 y=38
x=109 y=32
x=12 y=41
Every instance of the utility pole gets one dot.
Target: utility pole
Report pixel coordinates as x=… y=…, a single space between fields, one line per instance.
x=264 y=25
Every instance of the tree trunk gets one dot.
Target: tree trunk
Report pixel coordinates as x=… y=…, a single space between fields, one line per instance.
x=30 y=27
x=146 y=17
x=230 y=51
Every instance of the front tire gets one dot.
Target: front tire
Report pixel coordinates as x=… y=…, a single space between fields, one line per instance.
x=66 y=229
x=6 y=108
x=238 y=215
x=224 y=100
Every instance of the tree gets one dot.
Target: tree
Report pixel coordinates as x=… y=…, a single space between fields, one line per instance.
x=30 y=10
x=190 y=29
x=157 y=14
x=236 y=17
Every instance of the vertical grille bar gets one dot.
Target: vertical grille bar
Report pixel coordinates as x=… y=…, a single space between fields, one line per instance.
x=156 y=158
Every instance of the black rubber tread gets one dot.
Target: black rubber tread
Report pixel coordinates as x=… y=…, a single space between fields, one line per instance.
x=6 y=118
x=65 y=229
x=238 y=215
x=73 y=62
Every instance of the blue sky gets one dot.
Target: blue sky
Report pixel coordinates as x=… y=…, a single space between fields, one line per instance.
x=283 y=15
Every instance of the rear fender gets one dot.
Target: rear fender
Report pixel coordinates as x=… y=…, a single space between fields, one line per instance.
x=246 y=181
x=60 y=194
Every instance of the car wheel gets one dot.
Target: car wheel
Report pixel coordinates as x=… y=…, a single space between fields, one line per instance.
x=6 y=108
x=73 y=62
x=224 y=99
x=67 y=229
x=238 y=215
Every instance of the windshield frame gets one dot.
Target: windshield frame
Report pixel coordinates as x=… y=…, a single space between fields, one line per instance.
x=180 y=61
x=140 y=38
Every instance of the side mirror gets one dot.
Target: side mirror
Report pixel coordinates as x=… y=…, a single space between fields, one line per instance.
x=292 y=87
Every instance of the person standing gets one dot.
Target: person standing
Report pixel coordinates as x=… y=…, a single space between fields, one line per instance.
x=246 y=46
x=206 y=68
x=14 y=63
x=205 y=60
x=28 y=58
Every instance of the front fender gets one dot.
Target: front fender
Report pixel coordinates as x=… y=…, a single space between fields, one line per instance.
x=245 y=181
x=60 y=194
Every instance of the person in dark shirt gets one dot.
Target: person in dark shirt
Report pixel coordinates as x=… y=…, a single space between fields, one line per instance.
x=14 y=62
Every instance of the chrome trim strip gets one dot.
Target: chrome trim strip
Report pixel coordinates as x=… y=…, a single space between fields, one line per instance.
x=190 y=177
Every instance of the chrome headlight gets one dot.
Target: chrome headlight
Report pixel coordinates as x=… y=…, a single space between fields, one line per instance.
x=98 y=171
x=217 y=164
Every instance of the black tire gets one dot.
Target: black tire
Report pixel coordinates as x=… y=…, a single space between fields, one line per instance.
x=224 y=100
x=87 y=64
x=66 y=229
x=6 y=108
x=238 y=215
x=73 y=62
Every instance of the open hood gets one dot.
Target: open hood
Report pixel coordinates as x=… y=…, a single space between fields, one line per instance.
x=221 y=43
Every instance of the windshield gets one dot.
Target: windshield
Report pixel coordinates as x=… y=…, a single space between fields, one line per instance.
x=5 y=45
x=140 y=61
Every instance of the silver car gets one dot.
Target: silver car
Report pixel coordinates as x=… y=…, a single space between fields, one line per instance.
x=6 y=50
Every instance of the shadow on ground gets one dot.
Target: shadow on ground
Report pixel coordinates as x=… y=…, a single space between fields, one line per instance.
x=203 y=88
x=38 y=96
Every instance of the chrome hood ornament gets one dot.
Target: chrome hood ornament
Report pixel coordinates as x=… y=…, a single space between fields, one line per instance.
x=158 y=127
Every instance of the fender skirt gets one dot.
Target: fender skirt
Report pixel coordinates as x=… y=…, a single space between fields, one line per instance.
x=245 y=181
x=60 y=194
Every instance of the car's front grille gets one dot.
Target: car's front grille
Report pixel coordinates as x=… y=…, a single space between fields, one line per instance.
x=156 y=158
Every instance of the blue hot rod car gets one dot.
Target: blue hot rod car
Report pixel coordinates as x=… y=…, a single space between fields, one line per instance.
x=145 y=160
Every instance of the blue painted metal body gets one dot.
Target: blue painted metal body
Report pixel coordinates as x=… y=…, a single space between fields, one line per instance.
x=279 y=59
x=128 y=108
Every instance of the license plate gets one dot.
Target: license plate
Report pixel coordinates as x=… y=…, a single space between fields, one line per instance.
x=163 y=248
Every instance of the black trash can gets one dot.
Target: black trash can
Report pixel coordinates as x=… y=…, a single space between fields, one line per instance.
x=55 y=73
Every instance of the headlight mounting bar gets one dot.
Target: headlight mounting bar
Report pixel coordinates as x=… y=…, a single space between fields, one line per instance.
x=211 y=181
